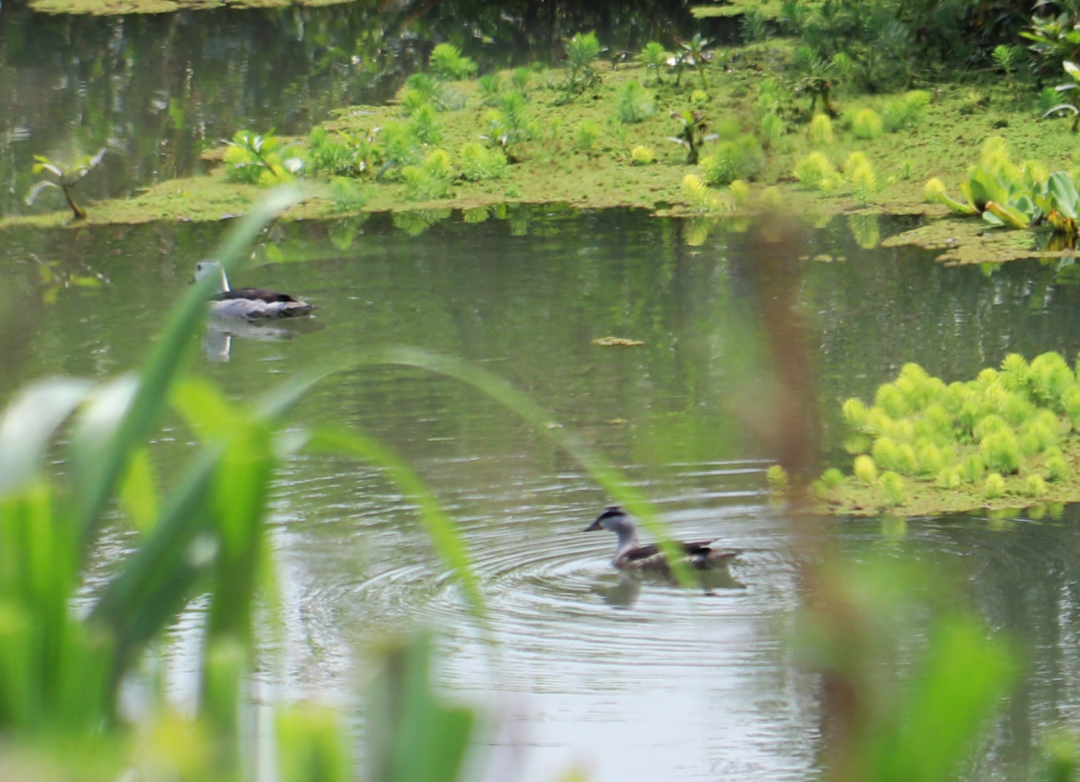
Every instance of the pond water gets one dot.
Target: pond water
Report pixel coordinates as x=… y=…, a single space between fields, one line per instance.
x=625 y=680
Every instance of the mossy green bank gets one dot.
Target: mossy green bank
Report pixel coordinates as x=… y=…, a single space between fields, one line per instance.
x=625 y=136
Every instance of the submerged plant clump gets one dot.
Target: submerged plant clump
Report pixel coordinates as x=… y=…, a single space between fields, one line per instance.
x=1008 y=437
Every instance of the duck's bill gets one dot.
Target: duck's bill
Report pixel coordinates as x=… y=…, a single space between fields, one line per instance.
x=593 y=527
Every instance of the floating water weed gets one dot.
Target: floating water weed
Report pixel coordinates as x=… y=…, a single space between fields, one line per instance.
x=832 y=478
x=861 y=176
x=698 y=195
x=642 y=156
x=771 y=199
x=654 y=56
x=821 y=130
x=586 y=135
x=772 y=128
x=742 y=158
x=867 y=124
x=993 y=486
x=778 y=479
x=905 y=110
x=947 y=478
x=581 y=51
x=1035 y=486
x=479 y=163
x=431 y=180
x=971 y=469
x=1056 y=467
x=1001 y=452
x=634 y=104
x=865 y=470
x=892 y=485
x=513 y=123
x=489 y=87
x=447 y=63
x=814 y=169
x=521 y=78
x=348 y=194
x=425 y=125
x=740 y=195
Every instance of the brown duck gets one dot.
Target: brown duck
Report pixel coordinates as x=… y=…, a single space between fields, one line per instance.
x=631 y=555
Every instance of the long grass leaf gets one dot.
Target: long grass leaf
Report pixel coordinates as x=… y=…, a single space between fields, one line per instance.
x=162 y=367
x=149 y=590
x=28 y=425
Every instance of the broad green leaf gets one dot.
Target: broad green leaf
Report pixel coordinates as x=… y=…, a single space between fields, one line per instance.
x=138 y=492
x=1072 y=69
x=28 y=424
x=1062 y=193
x=95 y=431
x=204 y=408
x=312 y=745
x=1007 y=215
x=964 y=677
x=409 y=716
x=155 y=580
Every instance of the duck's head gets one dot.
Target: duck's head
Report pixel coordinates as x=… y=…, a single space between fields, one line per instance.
x=613 y=519
x=204 y=269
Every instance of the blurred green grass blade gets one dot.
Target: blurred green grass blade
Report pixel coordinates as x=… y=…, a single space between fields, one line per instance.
x=311 y=745
x=162 y=367
x=28 y=425
x=599 y=468
x=444 y=534
x=138 y=491
x=240 y=490
x=153 y=582
x=965 y=676
x=409 y=715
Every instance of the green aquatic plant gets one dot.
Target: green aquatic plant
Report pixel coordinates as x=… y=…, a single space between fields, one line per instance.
x=642 y=156
x=865 y=469
x=1011 y=423
x=1009 y=59
x=446 y=62
x=692 y=133
x=400 y=147
x=425 y=126
x=778 y=478
x=861 y=176
x=520 y=79
x=816 y=87
x=421 y=88
x=655 y=57
x=905 y=110
x=694 y=53
x=867 y=124
x=698 y=195
x=341 y=154
x=634 y=104
x=740 y=158
x=348 y=194
x=260 y=159
x=740 y=193
x=513 y=122
x=994 y=486
x=814 y=169
x=431 y=180
x=489 y=87
x=586 y=134
x=581 y=52
x=892 y=485
x=1073 y=70
x=479 y=163
x=755 y=27
x=67 y=176
x=821 y=130
x=771 y=129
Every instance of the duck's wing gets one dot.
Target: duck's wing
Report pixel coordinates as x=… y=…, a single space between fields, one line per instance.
x=258 y=294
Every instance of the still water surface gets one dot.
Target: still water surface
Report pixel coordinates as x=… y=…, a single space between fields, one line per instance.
x=626 y=680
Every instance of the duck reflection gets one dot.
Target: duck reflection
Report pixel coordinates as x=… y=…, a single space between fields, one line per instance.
x=624 y=589
x=217 y=341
